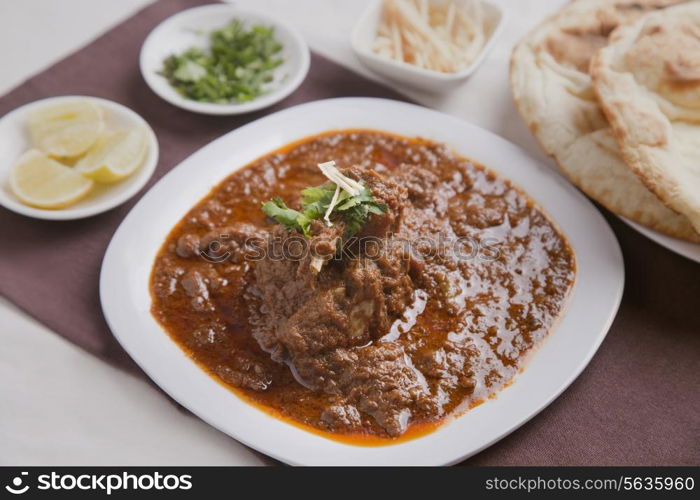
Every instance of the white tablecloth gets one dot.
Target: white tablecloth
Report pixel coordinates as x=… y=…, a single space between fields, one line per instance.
x=44 y=378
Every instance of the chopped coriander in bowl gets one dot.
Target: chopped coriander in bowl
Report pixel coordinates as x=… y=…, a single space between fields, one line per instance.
x=235 y=67
x=218 y=59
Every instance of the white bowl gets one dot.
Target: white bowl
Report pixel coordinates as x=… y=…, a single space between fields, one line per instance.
x=126 y=299
x=365 y=32
x=14 y=140
x=191 y=28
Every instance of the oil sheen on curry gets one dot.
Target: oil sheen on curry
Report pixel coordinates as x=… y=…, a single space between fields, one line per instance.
x=368 y=299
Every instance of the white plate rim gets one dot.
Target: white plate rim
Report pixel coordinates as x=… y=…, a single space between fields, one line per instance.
x=686 y=249
x=141 y=176
x=592 y=308
x=153 y=80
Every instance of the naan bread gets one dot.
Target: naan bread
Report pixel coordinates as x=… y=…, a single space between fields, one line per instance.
x=648 y=84
x=552 y=90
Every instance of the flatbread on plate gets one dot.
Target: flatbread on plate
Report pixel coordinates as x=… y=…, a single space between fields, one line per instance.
x=552 y=91
x=648 y=83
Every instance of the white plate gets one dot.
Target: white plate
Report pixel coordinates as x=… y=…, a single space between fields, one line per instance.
x=365 y=32
x=124 y=285
x=14 y=140
x=687 y=249
x=191 y=28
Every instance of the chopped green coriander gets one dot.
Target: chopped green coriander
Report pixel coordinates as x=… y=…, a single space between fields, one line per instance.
x=234 y=69
x=327 y=202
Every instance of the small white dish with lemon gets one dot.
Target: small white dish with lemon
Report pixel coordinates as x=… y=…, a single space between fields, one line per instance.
x=71 y=157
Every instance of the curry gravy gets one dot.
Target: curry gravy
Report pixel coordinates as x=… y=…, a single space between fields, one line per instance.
x=475 y=318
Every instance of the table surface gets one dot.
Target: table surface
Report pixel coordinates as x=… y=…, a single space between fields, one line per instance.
x=42 y=421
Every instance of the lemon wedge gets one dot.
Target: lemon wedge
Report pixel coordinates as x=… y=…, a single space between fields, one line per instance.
x=66 y=130
x=43 y=182
x=114 y=156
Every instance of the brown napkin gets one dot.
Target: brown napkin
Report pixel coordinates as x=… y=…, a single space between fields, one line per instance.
x=637 y=403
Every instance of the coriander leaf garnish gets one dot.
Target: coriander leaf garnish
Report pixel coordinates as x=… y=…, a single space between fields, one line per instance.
x=235 y=67
x=279 y=211
x=343 y=199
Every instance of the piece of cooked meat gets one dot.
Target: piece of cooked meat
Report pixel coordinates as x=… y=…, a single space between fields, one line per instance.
x=326 y=321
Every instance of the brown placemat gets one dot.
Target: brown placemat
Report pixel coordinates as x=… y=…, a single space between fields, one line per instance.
x=51 y=268
x=637 y=402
